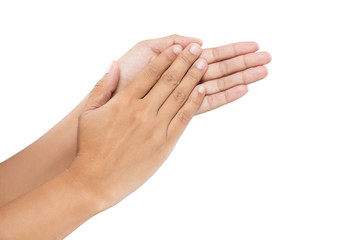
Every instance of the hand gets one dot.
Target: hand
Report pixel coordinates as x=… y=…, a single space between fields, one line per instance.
x=231 y=67
x=123 y=139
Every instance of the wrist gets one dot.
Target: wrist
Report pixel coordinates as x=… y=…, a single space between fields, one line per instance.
x=90 y=199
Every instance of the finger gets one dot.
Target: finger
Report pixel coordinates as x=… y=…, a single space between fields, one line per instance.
x=236 y=64
x=160 y=44
x=246 y=77
x=104 y=88
x=229 y=51
x=181 y=93
x=184 y=115
x=146 y=79
x=219 y=99
x=173 y=76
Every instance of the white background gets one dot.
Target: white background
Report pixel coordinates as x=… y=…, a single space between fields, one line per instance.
x=280 y=163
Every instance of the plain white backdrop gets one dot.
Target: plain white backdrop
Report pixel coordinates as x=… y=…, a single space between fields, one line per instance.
x=283 y=162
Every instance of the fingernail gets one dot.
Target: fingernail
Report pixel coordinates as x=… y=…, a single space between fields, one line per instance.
x=177 y=49
x=195 y=49
x=201 y=89
x=200 y=64
x=110 y=66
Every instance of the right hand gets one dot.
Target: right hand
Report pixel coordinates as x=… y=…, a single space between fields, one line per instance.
x=123 y=139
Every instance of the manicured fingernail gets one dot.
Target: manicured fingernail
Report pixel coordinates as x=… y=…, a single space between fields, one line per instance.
x=195 y=49
x=177 y=49
x=109 y=68
x=200 y=64
x=201 y=89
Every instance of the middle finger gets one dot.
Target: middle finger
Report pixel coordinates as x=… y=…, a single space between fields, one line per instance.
x=172 y=77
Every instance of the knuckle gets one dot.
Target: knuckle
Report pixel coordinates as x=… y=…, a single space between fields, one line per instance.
x=227 y=97
x=242 y=78
x=158 y=136
x=171 y=79
x=223 y=68
x=155 y=135
x=169 y=56
x=125 y=100
x=141 y=116
x=194 y=75
x=216 y=53
x=196 y=99
x=210 y=101
x=243 y=62
x=152 y=136
x=98 y=86
x=220 y=84
x=235 y=49
x=153 y=71
x=179 y=95
x=185 y=60
x=184 y=117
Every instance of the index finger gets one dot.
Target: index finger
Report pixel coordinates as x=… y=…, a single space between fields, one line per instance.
x=146 y=79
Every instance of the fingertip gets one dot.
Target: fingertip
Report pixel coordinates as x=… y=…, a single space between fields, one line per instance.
x=251 y=45
x=177 y=49
x=201 y=89
x=109 y=67
x=201 y=64
x=257 y=46
x=259 y=72
x=199 y=41
x=113 y=75
x=264 y=71
x=184 y=41
x=246 y=89
x=270 y=56
x=192 y=40
x=266 y=57
x=237 y=92
x=195 y=49
x=242 y=88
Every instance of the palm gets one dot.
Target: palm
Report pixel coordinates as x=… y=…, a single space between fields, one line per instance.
x=231 y=67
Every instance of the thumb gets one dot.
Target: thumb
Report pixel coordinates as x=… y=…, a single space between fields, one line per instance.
x=103 y=90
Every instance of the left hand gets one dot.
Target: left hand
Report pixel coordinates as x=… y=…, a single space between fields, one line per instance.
x=231 y=67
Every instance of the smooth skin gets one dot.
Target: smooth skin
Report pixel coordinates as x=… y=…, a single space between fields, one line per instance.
x=231 y=68
x=123 y=139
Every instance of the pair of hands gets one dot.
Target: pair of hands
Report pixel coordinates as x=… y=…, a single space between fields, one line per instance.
x=121 y=133
x=128 y=128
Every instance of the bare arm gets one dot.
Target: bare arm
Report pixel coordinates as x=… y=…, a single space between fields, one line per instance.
x=51 y=211
x=42 y=160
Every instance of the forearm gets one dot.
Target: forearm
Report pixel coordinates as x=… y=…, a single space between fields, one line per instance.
x=47 y=157
x=51 y=211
